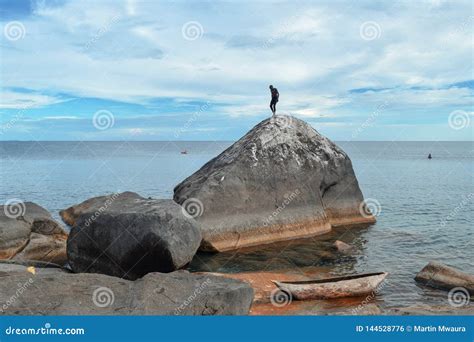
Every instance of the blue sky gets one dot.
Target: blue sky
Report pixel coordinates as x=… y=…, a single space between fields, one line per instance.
x=200 y=70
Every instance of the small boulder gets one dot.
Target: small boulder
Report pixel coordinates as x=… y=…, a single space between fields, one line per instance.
x=28 y=232
x=281 y=181
x=129 y=236
x=343 y=247
x=177 y=293
x=440 y=276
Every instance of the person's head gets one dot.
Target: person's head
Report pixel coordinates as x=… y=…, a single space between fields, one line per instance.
x=271 y=87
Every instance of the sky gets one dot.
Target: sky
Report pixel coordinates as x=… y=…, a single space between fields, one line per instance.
x=200 y=70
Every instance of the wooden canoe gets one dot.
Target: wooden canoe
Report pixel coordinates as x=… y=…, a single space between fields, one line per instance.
x=348 y=286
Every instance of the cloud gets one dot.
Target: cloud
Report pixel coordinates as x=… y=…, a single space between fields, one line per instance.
x=134 y=52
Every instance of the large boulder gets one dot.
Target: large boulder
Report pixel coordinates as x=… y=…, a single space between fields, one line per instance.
x=126 y=235
x=444 y=277
x=177 y=293
x=28 y=232
x=282 y=180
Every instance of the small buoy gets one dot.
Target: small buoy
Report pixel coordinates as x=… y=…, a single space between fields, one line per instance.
x=429 y=156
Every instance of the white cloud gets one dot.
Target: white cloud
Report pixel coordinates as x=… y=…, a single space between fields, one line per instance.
x=318 y=58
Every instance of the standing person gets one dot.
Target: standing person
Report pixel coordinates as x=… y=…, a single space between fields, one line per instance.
x=275 y=96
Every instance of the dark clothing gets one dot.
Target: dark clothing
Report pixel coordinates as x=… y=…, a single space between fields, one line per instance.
x=275 y=97
x=275 y=94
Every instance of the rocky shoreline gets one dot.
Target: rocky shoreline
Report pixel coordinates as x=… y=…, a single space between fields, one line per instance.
x=126 y=254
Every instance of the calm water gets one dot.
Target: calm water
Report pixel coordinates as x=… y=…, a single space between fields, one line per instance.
x=426 y=205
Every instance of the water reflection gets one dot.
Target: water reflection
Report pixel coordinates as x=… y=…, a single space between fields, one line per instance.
x=294 y=255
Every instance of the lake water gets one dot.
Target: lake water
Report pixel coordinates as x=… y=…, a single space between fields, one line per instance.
x=426 y=205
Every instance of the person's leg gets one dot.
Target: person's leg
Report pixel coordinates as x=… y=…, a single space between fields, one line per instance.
x=272 y=104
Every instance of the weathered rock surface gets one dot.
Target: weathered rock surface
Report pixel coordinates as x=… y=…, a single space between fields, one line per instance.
x=96 y=205
x=8 y=268
x=177 y=293
x=28 y=232
x=426 y=310
x=126 y=235
x=282 y=180
x=343 y=247
x=440 y=276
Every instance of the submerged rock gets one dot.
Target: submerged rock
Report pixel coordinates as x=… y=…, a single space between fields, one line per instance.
x=126 y=235
x=282 y=180
x=343 y=247
x=177 y=293
x=28 y=232
x=440 y=276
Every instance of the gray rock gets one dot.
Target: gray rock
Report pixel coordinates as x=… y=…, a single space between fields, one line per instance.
x=177 y=293
x=28 y=232
x=429 y=310
x=282 y=180
x=440 y=276
x=96 y=205
x=369 y=309
x=343 y=247
x=8 y=268
x=130 y=236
